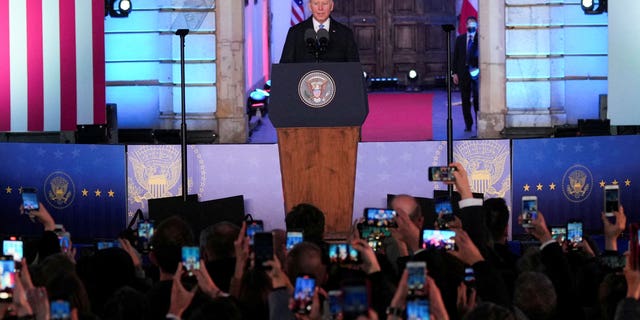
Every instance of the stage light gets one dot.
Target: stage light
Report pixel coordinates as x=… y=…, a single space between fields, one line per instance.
x=122 y=9
x=589 y=6
x=267 y=86
x=413 y=83
x=257 y=101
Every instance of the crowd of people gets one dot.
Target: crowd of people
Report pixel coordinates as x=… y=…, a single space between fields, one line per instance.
x=478 y=278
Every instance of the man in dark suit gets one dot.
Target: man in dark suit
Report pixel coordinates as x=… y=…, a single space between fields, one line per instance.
x=465 y=70
x=340 y=48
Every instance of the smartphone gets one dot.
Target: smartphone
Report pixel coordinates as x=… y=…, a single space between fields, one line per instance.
x=378 y=217
x=65 y=241
x=262 y=248
x=416 y=278
x=106 y=244
x=30 y=199
x=252 y=228
x=293 y=238
x=7 y=278
x=356 y=300
x=529 y=210
x=191 y=259
x=418 y=309
x=367 y=231
x=559 y=233
x=442 y=173
x=146 y=229
x=574 y=232
x=634 y=246
x=438 y=239
x=469 y=277
x=335 y=303
x=13 y=246
x=342 y=253
x=303 y=294
x=611 y=199
x=60 y=310
x=444 y=211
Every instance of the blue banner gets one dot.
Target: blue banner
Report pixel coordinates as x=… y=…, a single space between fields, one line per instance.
x=82 y=186
x=568 y=177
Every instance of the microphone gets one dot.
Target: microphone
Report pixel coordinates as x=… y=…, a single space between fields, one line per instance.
x=323 y=38
x=310 y=38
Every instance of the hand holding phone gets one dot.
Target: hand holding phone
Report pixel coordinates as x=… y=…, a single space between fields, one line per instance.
x=254 y=227
x=60 y=310
x=30 y=199
x=574 y=233
x=611 y=199
x=438 y=239
x=293 y=238
x=7 y=278
x=191 y=259
x=444 y=211
x=146 y=229
x=262 y=249
x=442 y=173
x=342 y=253
x=303 y=294
x=379 y=217
x=416 y=280
x=529 y=210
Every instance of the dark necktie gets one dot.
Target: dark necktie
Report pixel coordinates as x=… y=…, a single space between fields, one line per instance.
x=469 y=45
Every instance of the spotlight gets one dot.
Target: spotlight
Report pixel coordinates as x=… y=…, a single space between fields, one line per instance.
x=121 y=10
x=413 y=81
x=257 y=101
x=589 y=6
x=267 y=86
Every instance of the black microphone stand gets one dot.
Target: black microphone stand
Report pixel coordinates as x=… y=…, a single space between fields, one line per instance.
x=183 y=126
x=448 y=28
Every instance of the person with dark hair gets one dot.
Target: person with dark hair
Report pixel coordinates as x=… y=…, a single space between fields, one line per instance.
x=497 y=221
x=309 y=219
x=466 y=71
x=535 y=296
x=216 y=243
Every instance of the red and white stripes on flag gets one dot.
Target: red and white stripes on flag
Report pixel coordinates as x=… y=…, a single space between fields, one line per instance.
x=469 y=8
x=52 y=65
x=297 y=12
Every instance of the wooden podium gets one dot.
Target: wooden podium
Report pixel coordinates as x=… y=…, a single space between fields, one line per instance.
x=317 y=109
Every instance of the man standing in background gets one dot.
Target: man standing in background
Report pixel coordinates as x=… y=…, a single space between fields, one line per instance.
x=465 y=70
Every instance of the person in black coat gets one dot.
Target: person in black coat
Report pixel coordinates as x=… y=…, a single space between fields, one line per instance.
x=341 y=46
x=465 y=70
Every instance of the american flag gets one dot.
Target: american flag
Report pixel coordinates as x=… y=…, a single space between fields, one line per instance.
x=469 y=8
x=297 y=12
x=52 y=70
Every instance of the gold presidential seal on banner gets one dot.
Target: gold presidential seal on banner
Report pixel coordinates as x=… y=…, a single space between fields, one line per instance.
x=577 y=183
x=59 y=190
x=316 y=89
x=487 y=163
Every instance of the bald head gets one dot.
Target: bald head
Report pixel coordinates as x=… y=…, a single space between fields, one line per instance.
x=409 y=205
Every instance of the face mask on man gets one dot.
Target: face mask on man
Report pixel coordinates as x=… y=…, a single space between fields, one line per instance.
x=472 y=27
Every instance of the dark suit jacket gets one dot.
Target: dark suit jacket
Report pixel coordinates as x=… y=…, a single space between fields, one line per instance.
x=342 y=46
x=460 y=55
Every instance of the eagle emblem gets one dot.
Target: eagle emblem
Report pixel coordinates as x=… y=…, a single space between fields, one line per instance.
x=59 y=189
x=577 y=183
x=316 y=89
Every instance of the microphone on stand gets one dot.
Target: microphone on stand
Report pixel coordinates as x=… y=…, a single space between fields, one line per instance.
x=310 y=40
x=323 y=40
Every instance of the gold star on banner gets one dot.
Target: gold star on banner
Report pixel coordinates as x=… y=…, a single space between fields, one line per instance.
x=526 y=187
x=97 y=192
x=111 y=193
x=615 y=182
x=8 y=189
x=552 y=186
x=627 y=183
x=602 y=183
x=539 y=187
x=85 y=192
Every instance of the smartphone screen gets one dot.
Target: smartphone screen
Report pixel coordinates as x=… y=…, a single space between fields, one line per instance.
x=416 y=278
x=442 y=173
x=60 y=309
x=262 y=248
x=303 y=294
x=13 y=247
x=293 y=238
x=438 y=239
x=335 y=303
x=65 y=241
x=252 y=228
x=559 y=233
x=7 y=277
x=529 y=210
x=378 y=217
x=418 y=309
x=145 y=233
x=611 y=199
x=356 y=301
x=367 y=232
x=574 y=232
x=191 y=258
x=342 y=253
x=106 y=244
x=30 y=199
x=444 y=211
x=469 y=277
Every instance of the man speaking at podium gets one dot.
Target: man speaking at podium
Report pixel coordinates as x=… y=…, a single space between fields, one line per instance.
x=320 y=38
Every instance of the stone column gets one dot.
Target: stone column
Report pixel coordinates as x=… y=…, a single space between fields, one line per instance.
x=491 y=30
x=230 y=112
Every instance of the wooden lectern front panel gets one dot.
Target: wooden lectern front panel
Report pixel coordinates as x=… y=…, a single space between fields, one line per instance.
x=318 y=166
